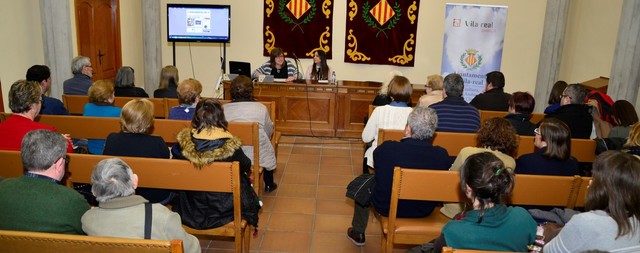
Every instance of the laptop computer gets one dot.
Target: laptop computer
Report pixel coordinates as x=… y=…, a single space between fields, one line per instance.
x=240 y=68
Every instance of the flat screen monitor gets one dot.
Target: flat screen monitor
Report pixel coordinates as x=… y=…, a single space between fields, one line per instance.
x=198 y=23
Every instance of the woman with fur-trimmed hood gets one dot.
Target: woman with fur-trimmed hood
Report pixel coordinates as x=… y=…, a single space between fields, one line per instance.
x=208 y=141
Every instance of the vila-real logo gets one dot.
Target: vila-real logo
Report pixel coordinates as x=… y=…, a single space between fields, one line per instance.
x=470 y=59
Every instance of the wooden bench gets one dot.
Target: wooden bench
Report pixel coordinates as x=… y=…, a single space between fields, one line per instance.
x=484 y=115
x=179 y=175
x=582 y=149
x=452 y=250
x=75 y=104
x=444 y=186
x=36 y=242
x=77 y=127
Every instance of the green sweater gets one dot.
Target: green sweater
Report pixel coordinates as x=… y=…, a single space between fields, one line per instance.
x=34 y=204
x=502 y=229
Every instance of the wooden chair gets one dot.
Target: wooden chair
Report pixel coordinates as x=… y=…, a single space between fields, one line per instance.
x=434 y=185
x=35 y=242
x=371 y=108
x=168 y=104
x=179 y=175
x=11 y=164
x=452 y=250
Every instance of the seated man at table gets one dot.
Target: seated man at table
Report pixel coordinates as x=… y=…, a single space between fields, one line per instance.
x=414 y=151
x=36 y=201
x=25 y=101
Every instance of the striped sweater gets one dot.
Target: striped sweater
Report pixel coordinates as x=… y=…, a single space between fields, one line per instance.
x=456 y=115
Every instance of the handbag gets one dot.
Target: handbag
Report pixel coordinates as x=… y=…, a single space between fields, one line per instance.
x=360 y=189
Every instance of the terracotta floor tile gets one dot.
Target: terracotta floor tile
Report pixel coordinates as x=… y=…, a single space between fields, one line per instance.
x=306 y=151
x=373 y=226
x=336 y=170
x=331 y=192
x=283 y=158
x=222 y=243
x=256 y=240
x=332 y=243
x=294 y=205
x=291 y=222
x=267 y=203
x=204 y=241
x=275 y=241
x=292 y=178
x=301 y=168
x=284 y=149
x=335 y=160
x=371 y=244
x=287 y=138
x=218 y=251
x=331 y=206
x=306 y=159
x=332 y=223
x=357 y=152
x=334 y=180
x=297 y=190
x=263 y=218
x=336 y=152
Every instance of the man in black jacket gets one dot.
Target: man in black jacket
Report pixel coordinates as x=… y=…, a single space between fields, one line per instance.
x=574 y=112
x=494 y=98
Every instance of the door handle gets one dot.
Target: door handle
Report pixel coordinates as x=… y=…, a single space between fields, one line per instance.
x=100 y=54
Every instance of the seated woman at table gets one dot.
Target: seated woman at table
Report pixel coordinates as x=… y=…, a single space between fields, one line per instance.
x=205 y=142
x=188 y=96
x=497 y=136
x=490 y=224
x=319 y=70
x=101 y=97
x=136 y=120
x=278 y=67
x=521 y=106
x=391 y=116
x=612 y=220
x=553 y=140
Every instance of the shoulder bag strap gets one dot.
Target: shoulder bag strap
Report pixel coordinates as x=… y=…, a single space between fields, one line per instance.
x=147 y=221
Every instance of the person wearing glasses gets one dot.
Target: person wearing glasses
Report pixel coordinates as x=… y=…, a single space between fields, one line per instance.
x=574 y=112
x=278 y=67
x=81 y=81
x=36 y=201
x=553 y=140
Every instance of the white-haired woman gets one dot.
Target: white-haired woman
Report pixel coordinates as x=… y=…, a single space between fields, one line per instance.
x=121 y=213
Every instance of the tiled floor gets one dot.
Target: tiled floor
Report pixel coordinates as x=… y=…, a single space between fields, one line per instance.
x=309 y=211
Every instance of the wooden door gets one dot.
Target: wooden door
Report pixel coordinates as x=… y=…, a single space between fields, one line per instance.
x=98 y=27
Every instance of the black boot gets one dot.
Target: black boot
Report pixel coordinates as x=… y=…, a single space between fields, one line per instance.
x=269 y=185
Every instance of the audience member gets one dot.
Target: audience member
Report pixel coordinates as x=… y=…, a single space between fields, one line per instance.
x=36 y=201
x=208 y=141
x=624 y=116
x=136 y=121
x=632 y=146
x=188 y=96
x=414 y=151
x=574 y=112
x=553 y=157
x=433 y=91
x=521 y=106
x=487 y=183
x=81 y=81
x=601 y=105
x=42 y=75
x=101 y=97
x=278 y=67
x=455 y=114
x=121 y=213
x=391 y=116
x=125 y=84
x=25 y=100
x=555 y=96
x=168 y=83
x=494 y=98
x=497 y=136
x=243 y=108
x=383 y=97
x=319 y=70
x=612 y=220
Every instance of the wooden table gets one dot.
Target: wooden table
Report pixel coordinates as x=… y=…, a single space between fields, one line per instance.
x=321 y=109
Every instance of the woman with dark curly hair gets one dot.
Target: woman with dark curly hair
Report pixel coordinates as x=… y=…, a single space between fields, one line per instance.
x=496 y=135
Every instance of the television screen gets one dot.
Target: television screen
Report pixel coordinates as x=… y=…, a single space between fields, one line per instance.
x=198 y=23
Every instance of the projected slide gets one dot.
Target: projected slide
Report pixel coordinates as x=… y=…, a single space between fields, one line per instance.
x=206 y=23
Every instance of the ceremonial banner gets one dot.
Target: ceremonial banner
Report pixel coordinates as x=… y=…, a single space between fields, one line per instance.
x=473 y=40
x=298 y=26
x=381 y=32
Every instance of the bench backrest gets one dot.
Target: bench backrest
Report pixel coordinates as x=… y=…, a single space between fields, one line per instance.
x=35 y=242
x=582 y=192
x=484 y=115
x=582 y=149
x=11 y=164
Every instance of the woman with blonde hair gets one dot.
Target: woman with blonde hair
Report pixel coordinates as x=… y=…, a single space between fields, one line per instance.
x=433 y=91
x=168 y=83
x=136 y=121
x=101 y=97
x=383 y=97
x=188 y=95
x=632 y=146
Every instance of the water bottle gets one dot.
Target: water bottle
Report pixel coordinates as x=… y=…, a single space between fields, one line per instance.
x=333 y=78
